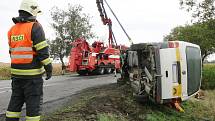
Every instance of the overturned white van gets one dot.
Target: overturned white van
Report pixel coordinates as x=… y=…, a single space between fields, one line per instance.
x=165 y=72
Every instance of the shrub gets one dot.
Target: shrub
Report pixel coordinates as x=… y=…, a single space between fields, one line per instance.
x=208 y=76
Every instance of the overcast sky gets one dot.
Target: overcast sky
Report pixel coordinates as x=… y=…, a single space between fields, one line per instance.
x=144 y=20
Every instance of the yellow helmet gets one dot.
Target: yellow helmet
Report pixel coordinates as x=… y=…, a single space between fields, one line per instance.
x=30 y=6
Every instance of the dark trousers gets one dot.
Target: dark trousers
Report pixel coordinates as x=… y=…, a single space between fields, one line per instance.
x=28 y=91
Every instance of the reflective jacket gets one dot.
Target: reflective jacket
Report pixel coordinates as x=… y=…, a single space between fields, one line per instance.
x=28 y=50
x=21 y=44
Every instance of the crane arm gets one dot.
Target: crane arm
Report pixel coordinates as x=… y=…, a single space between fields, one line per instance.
x=107 y=21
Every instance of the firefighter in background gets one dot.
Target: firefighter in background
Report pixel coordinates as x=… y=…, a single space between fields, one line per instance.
x=29 y=54
x=124 y=67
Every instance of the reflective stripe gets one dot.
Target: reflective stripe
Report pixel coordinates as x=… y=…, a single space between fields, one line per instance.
x=27 y=72
x=46 y=61
x=21 y=49
x=179 y=87
x=41 y=45
x=114 y=56
x=35 y=118
x=21 y=56
x=94 y=54
x=178 y=57
x=13 y=114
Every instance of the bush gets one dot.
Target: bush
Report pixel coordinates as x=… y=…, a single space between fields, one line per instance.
x=208 y=76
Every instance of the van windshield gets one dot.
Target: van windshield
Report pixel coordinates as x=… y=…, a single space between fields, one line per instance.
x=193 y=69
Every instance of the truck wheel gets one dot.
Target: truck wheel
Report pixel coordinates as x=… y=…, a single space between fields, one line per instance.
x=82 y=72
x=108 y=70
x=101 y=70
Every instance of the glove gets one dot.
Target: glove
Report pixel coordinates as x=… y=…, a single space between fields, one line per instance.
x=48 y=69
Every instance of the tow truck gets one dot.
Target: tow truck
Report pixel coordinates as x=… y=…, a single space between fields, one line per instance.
x=97 y=58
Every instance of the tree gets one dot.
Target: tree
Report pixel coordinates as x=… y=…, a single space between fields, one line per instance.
x=202 y=31
x=201 y=10
x=198 y=33
x=69 y=25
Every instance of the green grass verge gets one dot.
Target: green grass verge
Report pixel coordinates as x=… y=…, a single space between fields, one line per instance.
x=110 y=117
x=208 y=76
x=195 y=110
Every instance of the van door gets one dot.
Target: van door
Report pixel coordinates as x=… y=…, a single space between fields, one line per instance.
x=170 y=70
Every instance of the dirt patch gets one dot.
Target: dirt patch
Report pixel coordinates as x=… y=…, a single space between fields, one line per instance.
x=116 y=103
x=91 y=103
x=109 y=100
x=106 y=100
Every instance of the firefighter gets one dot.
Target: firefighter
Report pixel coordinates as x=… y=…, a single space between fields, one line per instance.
x=29 y=61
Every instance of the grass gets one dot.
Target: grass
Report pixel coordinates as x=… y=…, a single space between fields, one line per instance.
x=195 y=110
x=115 y=103
x=4 y=71
x=110 y=117
x=56 y=69
x=208 y=76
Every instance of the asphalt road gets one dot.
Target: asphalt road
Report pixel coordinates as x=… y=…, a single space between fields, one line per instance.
x=58 y=89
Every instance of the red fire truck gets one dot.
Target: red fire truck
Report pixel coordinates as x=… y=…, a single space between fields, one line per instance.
x=97 y=59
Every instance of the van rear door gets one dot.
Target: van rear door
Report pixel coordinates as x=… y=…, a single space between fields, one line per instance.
x=170 y=71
